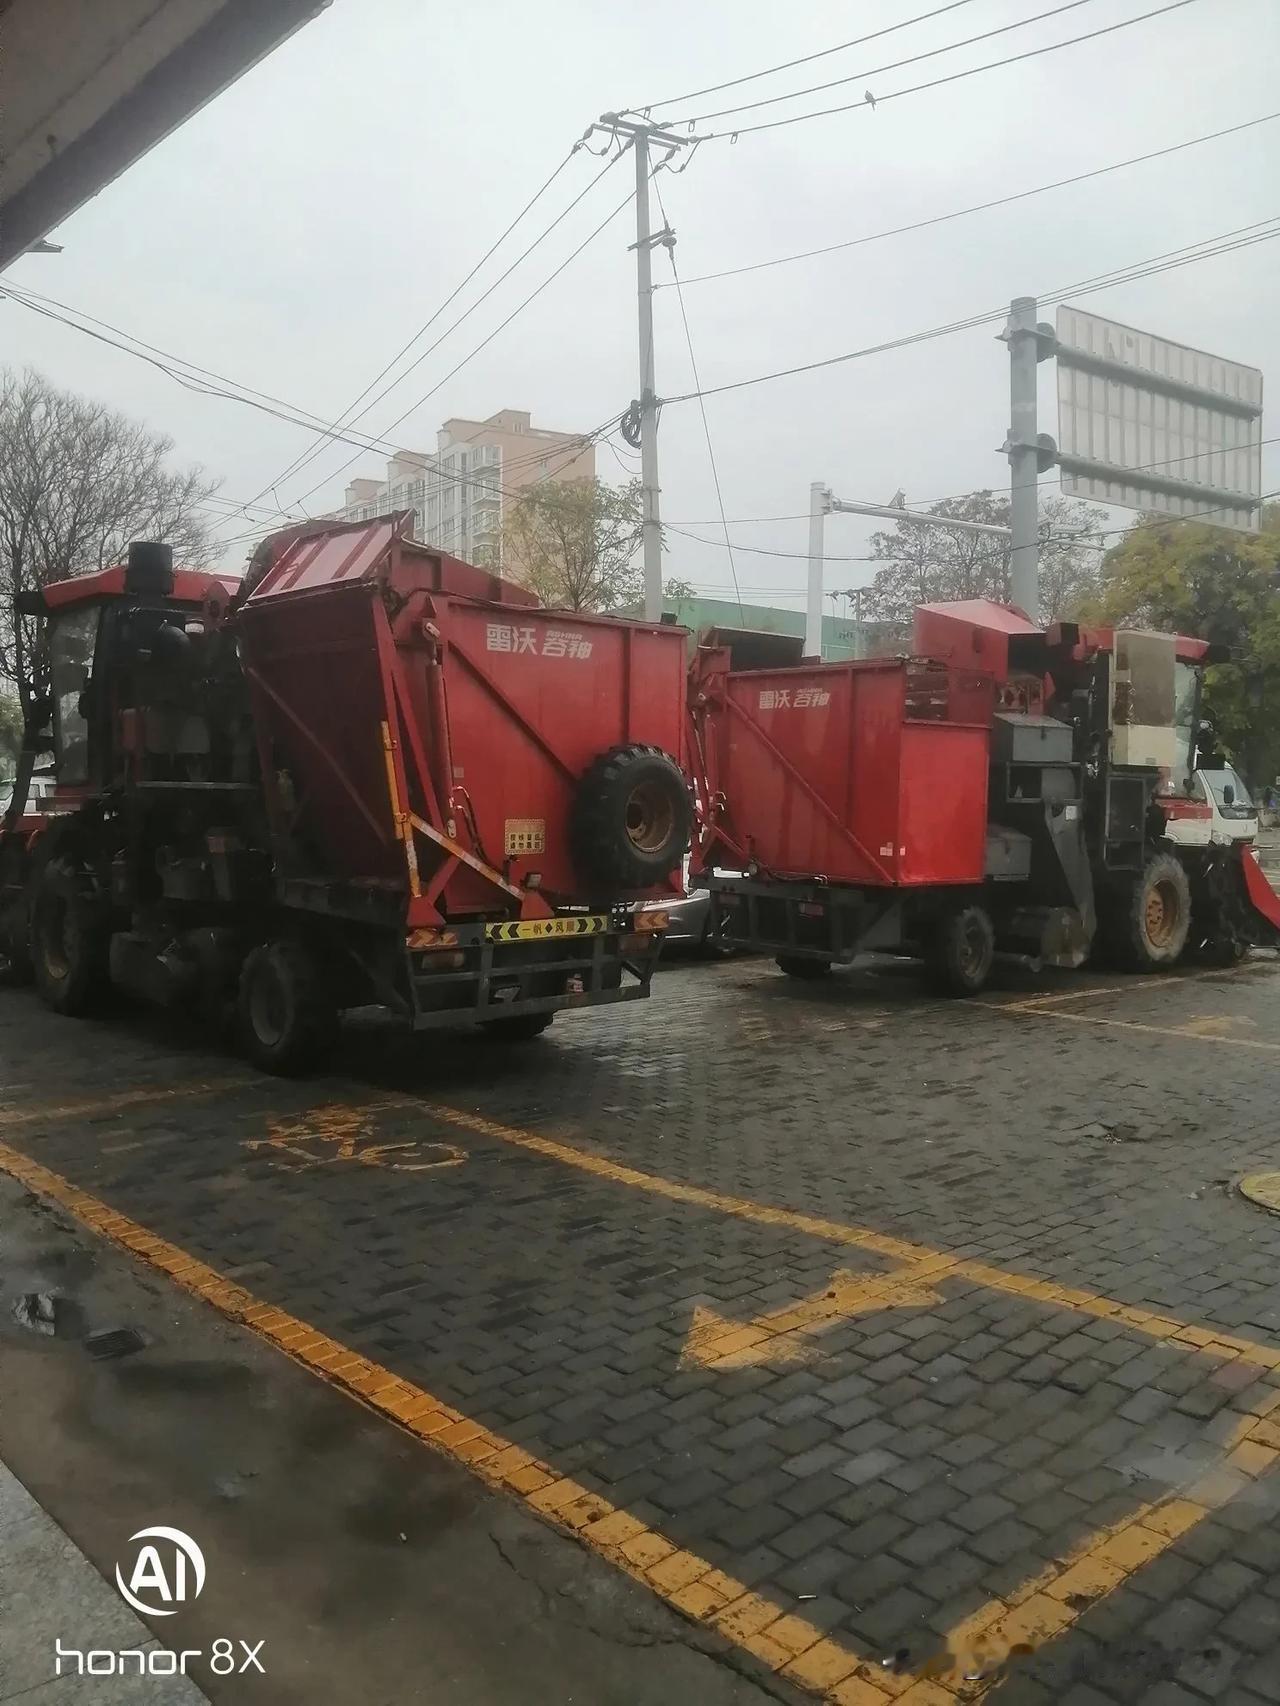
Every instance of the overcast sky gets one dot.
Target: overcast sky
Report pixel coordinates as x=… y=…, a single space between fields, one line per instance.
x=297 y=231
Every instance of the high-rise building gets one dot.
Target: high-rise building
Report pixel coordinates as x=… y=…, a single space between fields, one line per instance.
x=460 y=494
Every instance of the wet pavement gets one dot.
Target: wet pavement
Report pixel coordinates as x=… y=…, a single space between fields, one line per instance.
x=875 y=1335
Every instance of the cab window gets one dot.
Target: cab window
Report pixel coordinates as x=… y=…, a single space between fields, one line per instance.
x=71 y=644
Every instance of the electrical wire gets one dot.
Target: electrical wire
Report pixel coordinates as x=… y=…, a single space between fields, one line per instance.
x=500 y=327
x=938 y=82
x=449 y=330
x=762 y=551
x=978 y=207
x=1102 y=281
x=880 y=70
x=702 y=407
x=808 y=58
x=187 y=375
x=404 y=349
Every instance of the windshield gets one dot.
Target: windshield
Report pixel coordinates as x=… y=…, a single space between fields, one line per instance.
x=71 y=643
x=1186 y=684
x=1218 y=781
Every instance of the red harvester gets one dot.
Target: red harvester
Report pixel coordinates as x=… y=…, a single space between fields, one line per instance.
x=371 y=774
x=1006 y=790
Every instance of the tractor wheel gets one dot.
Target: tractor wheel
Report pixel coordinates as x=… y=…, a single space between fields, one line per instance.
x=69 y=941
x=808 y=971
x=962 y=951
x=1149 y=925
x=632 y=818
x=287 y=1021
x=521 y=1029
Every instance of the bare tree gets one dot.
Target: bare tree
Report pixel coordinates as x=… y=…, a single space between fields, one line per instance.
x=77 y=482
x=574 y=543
x=926 y=564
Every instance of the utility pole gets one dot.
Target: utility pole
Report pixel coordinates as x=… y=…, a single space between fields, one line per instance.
x=819 y=504
x=823 y=503
x=1029 y=452
x=646 y=406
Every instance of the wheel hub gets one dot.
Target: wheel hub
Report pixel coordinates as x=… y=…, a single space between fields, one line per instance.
x=649 y=817
x=1161 y=913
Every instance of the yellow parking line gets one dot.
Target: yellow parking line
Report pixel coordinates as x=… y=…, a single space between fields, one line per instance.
x=786 y=1643
x=1180 y=1034
x=687 y=1582
x=97 y=1106
x=927 y=1263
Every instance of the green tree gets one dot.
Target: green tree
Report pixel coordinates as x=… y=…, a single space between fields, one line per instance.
x=923 y=565
x=77 y=482
x=574 y=543
x=1185 y=577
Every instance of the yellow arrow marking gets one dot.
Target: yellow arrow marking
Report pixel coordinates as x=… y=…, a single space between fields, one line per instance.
x=714 y=1341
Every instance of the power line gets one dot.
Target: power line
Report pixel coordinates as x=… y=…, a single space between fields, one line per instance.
x=341 y=419
x=702 y=407
x=1102 y=281
x=978 y=207
x=938 y=82
x=894 y=65
x=173 y=366
x=808 y=58
x=483 y=297
x=762 y=551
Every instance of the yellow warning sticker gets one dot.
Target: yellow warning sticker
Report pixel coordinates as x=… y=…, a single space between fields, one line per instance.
x=533 y=929
x=524 y=835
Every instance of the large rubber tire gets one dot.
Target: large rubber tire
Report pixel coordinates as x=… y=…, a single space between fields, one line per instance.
x=70 y=941
x=962 y=951
x=521 y=1029
x=1147 y=924
x=808 y=971
x=287 y=1022
x=632 y=818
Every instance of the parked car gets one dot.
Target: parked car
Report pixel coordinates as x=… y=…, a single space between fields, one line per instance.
x=689 y=926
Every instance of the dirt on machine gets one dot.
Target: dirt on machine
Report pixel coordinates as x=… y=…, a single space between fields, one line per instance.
x=1049 y=796
x=369 y=774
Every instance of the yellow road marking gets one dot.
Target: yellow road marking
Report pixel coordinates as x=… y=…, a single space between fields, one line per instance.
x=336 y=1133
x=1038 y=1612
x=1164 y=980
x=95 y=1107
x=1048 y=1604
x=718 y=1341
x=684 y=1580
x=928 y=1264
x=1180 y=1033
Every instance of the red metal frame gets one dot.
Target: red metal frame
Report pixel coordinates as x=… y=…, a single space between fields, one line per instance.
x=410 y=634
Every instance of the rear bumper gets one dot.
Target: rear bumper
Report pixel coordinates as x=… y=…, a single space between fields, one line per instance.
x=804 y=919
x=474 y=981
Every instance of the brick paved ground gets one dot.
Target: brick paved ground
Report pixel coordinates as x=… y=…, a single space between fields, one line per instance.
x=887 y=1475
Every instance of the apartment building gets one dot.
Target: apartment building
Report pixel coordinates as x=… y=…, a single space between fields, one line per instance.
x=460 y=493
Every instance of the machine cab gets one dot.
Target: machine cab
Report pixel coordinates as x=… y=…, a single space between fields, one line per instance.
x=1215 y=810
x=126 y=648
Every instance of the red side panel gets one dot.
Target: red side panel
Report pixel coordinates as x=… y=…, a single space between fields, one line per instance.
x=943 y=790
x=534 y=697
x=319 y=706
x=1262 y=896
x=859 y=773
